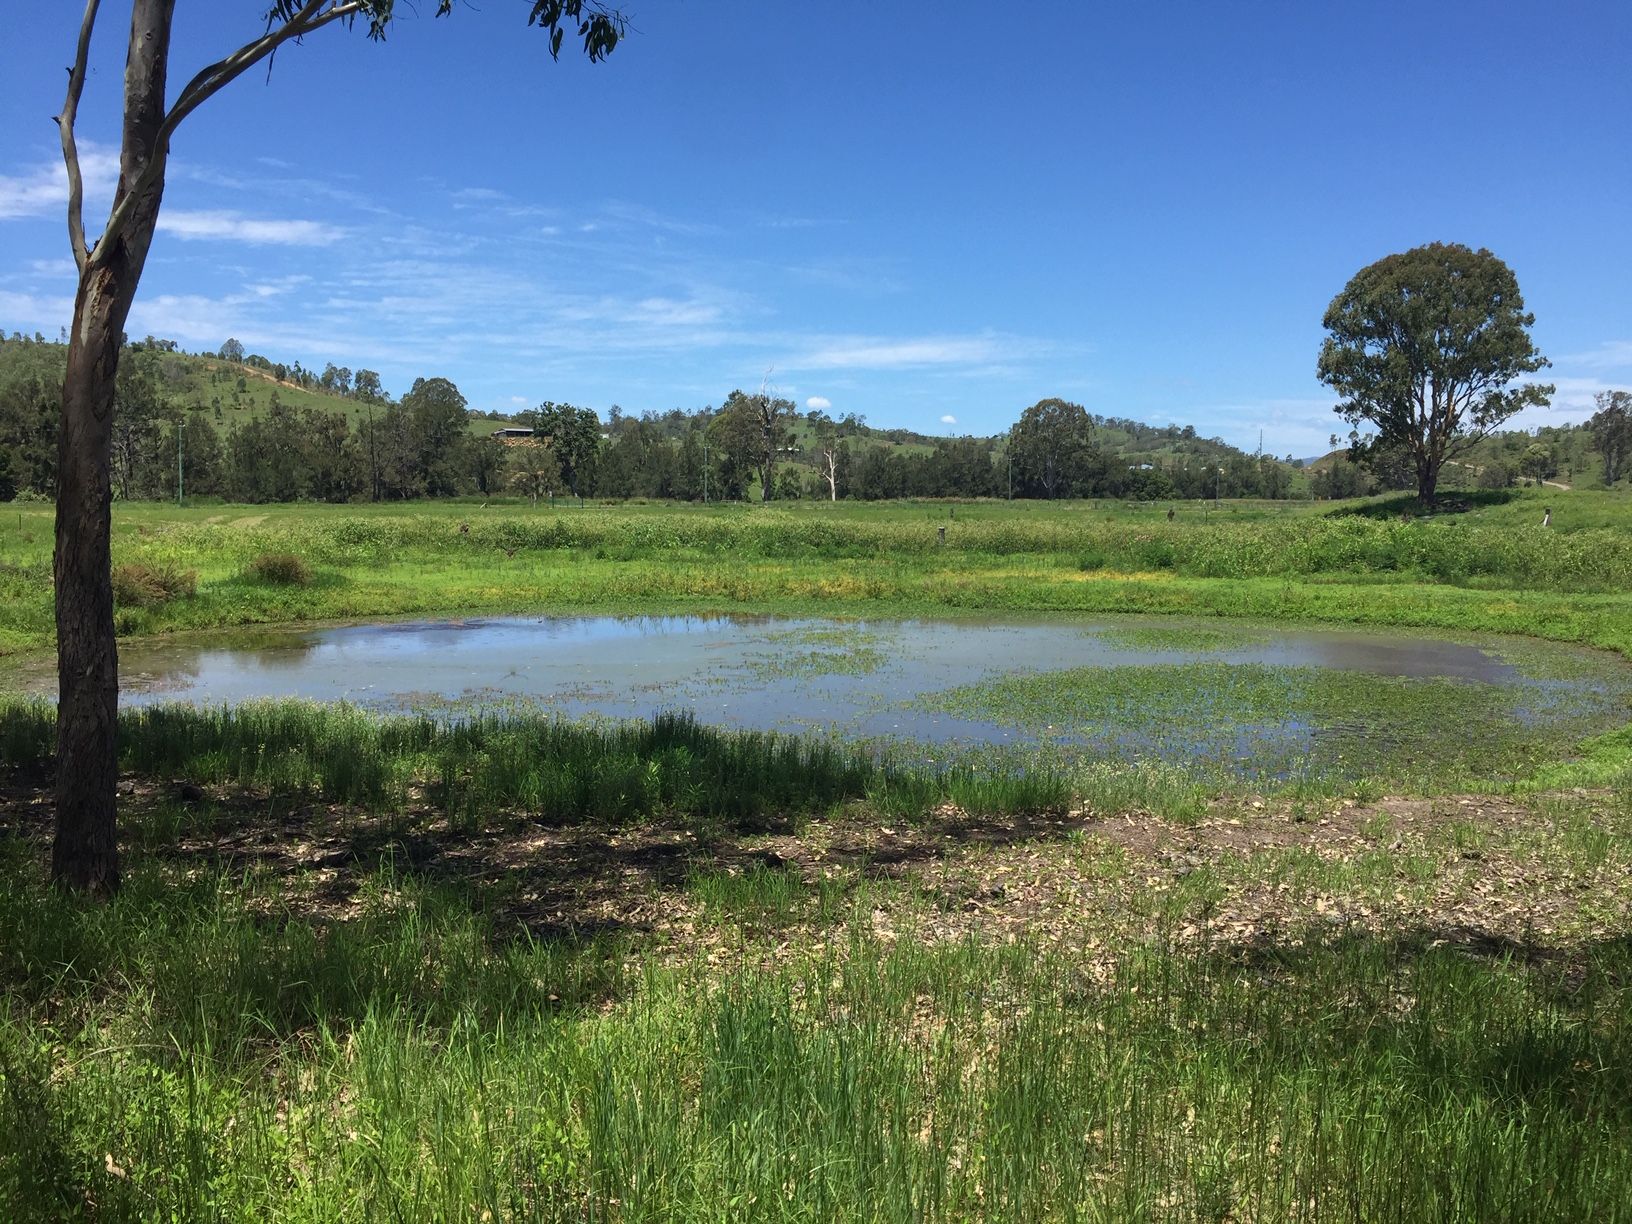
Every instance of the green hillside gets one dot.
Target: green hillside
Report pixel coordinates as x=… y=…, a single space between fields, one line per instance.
x=228 y=393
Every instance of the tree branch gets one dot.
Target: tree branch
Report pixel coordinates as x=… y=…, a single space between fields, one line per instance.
x=70 y=150
x=312 y=16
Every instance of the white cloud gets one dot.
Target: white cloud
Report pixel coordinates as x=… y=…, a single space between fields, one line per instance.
x=669 y=311
x=234 y=227
x=1573 y=400
x=43 y=187
x=277 y=287
x=621 y=212
x=519 y=399
x=1299 y=427
x=20 y=311
x=873 y=353
x=949 y=419
x=819 y=402
x=1611 y=354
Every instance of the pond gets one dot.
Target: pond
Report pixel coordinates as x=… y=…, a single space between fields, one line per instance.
x=1252 y=700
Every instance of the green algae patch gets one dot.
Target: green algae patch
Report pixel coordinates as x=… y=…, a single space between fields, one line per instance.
x=1258 y=723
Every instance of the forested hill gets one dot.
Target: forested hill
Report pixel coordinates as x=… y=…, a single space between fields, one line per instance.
x=258 y=430
x=1567 y=456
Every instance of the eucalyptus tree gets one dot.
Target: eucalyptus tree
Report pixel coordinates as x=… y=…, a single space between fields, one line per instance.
x=1611 y=430
x=574 y=436
x=439 y=424
x=1052 y=446
x=85 y=855
x=774 y=416
x=1429 y=347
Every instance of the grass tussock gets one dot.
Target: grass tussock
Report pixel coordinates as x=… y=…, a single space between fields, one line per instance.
x=151 y=586
x=280 y=569
x=486 y=767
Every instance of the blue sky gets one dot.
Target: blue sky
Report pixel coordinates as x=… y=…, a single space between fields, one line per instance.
x=929 y=214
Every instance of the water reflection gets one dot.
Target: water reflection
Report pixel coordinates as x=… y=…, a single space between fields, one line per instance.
x=857 y=678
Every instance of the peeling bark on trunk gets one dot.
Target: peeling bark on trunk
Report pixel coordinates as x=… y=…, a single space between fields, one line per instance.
x=85 y=855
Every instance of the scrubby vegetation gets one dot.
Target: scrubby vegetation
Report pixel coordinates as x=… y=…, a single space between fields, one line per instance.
x=147 y=586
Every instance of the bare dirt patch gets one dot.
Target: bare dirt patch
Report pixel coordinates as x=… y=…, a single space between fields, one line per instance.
x=1542 y=876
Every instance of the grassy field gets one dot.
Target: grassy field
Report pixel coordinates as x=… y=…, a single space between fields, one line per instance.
x=1492 y=568
x=510 y=968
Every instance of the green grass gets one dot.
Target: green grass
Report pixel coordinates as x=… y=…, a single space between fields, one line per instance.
x=198 y=1049
x=1490 y=570
x=1186 y=638
x=1274 y=725
x=483 y=768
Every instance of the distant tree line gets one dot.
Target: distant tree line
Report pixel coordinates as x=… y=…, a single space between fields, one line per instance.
x=754 y=446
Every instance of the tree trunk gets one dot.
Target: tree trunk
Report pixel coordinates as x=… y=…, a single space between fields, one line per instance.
x=1427 y=482
x=86 y=852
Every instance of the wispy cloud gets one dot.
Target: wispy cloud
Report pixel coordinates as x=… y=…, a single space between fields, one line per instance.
x=1573 y=399
x=668 y=311
x=847 y=274
x=1299 y=426
x=33 y=311
x=227 y=226
x=621 y=212
x=43 y=187
x=875 y=353
x=63 y=267
x=1610 y=355
x=277 y=286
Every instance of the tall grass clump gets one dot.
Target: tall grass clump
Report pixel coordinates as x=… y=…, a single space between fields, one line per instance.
x=672 y=765
x=148 y=586
x=1168 y=791
x=473 y=769
x=28 y=732
x=281 y=569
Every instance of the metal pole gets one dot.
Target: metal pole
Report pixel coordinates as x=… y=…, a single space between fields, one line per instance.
x=705 y=473
x=181 y=423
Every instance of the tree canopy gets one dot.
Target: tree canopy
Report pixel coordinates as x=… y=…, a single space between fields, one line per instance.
x=1428 y=348
x=1052 y=448
x=1611 y=429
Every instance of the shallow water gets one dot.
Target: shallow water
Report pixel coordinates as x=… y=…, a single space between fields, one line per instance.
x=907 y=680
